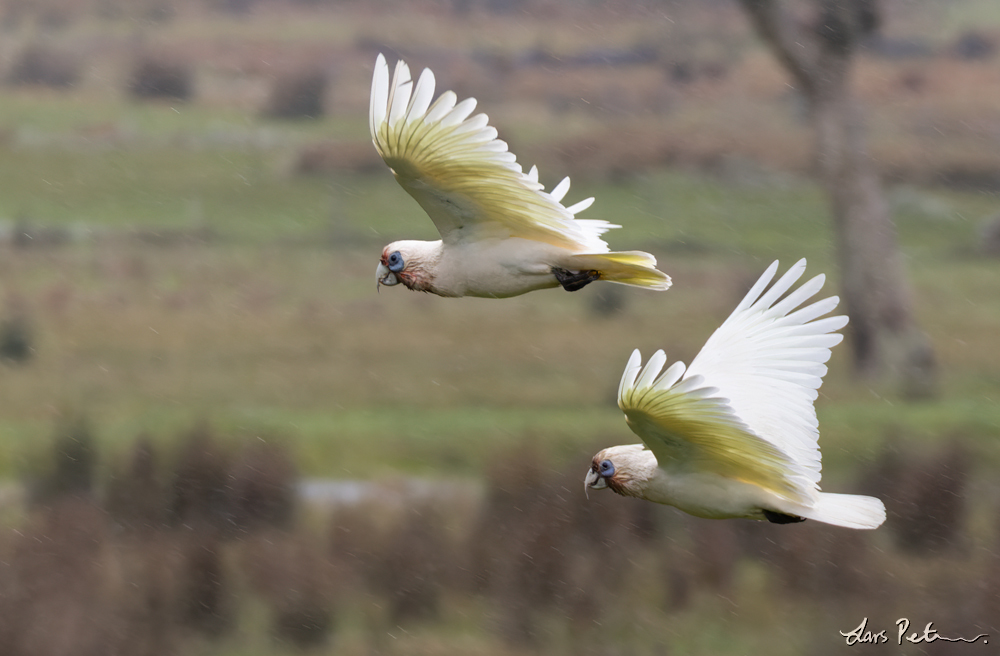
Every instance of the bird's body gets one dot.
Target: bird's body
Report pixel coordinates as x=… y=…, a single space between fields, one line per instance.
x=501 y=234
x=703 y=494
x=489 y=268
x=735 y=434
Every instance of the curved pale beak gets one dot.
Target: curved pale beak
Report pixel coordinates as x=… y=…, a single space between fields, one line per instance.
x=594 y=481
x=385 y=277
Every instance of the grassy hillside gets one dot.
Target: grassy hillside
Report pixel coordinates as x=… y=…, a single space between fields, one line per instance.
x=195 y=282
x=251 y=303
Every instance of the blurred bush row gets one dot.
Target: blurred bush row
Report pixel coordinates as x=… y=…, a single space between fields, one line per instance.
x=295 y=93
x=143 y=552
x=700 y=99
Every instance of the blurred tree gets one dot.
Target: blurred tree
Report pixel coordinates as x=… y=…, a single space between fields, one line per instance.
x=818 y=52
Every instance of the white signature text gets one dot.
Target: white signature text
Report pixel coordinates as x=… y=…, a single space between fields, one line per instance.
x=863 y=635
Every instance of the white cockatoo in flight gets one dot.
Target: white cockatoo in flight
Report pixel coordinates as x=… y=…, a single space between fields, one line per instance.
x=735 y=435
x=501 y=233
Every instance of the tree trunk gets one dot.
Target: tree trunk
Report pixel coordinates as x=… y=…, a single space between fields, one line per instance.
x=877 y=295
x=886 y=341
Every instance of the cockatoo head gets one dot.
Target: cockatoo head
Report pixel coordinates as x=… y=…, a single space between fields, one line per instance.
x=410 y=263
x=621 y=468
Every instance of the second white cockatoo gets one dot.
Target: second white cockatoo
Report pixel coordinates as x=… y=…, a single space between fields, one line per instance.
x=735 y=434
x=501 y=234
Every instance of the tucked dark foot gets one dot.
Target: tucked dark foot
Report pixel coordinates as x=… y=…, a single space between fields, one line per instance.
x=782 y=518
x=574 y=280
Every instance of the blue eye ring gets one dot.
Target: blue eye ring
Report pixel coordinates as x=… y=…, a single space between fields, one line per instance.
x=395 y=262
x=607 y=468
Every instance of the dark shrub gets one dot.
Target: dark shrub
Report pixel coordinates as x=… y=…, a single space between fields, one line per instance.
x=29 y=235
x=303 y=620
x=816 y=559
x=55 y=603
x=42 y=65
x=291 y=573
x=405 y=555
x=71 y=470
x=989 y=237
x=262 y=487
x=607 y=301
x=156 y=77
x=16 y=339
x=413 y=559
x=924 y=495
x=714 y=553
x=234 y=7
x=200 y=483
x=78 y=578
x=541 y=545
x=205 y=602
x=354 y=540
x=135 y=496
x=298 y=94
x=975 y=45
x=931 y=510
x=328 y=157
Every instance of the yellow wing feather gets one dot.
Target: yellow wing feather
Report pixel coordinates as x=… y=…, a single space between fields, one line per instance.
x=689 y=428
x=461 y=175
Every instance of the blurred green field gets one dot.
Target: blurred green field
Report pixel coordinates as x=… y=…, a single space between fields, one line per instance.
x=198 y=282
x=176 y=268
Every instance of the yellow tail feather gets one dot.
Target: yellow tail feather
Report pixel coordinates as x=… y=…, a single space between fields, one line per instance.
x=626 y=267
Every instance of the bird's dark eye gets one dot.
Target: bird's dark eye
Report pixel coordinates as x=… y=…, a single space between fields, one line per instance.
x=607 y=468
x=395 y=262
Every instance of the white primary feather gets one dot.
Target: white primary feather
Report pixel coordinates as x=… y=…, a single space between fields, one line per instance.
x=423 y=93
x=380 y=96
x=688 y=384
x=651 y=370
x=559 y=191
x=601 y=226
x=669 y=377
x=461 y=112
x=444 y=104
x=631 y=372
x=399 y=93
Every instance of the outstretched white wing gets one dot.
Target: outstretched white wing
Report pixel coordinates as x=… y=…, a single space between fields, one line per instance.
x=461 y=174
x=768 y=359
x=744 y=408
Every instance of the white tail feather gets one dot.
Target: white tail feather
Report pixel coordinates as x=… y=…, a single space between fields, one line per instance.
x=848 y=510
